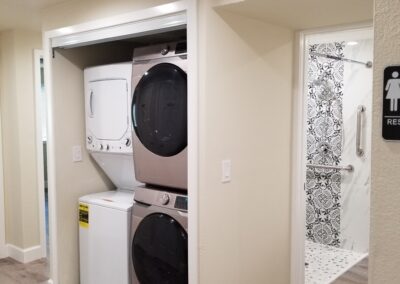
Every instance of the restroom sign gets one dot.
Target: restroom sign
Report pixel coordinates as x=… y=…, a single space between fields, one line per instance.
x=391 y=103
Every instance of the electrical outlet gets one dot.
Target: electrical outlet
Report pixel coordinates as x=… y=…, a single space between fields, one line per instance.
x=77 y=153
x=226 y=171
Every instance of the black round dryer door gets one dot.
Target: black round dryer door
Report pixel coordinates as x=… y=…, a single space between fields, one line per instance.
x=160 y=251
x=159 y=110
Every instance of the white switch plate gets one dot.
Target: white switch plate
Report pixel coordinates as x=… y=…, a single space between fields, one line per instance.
x=226 y=171
x=77 y=153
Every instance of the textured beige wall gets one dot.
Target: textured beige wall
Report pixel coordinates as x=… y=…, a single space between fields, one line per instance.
x=245 y=115
x=385 y=203
x=19 y=147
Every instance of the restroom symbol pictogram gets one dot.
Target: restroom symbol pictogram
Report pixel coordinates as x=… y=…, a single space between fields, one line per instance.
x=393 y=91
x=391 y=108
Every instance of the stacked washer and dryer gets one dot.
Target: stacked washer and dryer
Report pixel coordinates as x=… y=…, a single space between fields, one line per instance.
x=104 y=218
x=136 y=126
x=159 y=251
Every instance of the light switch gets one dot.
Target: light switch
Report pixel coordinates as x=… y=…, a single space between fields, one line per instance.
x=77 y=153
x=226 y=171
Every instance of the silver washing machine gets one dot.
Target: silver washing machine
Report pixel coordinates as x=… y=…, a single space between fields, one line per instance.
x=159 y=114
x=159 y=239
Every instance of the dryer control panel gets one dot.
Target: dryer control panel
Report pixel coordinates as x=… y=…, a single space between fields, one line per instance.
x=120 y=146
x=161 y=198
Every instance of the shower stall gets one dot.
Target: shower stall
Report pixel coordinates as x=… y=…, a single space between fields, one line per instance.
x=337 y=134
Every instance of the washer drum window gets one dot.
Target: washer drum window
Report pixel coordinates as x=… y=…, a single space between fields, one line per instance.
x=160 y=251
x=159 y=110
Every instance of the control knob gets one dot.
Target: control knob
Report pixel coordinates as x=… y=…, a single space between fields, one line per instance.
x=165 y=199
x=165 y=50
x=90 y=139
x=101 y=147
x=127 y=142
x=108 y=147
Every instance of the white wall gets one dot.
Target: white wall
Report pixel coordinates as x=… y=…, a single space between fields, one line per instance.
x=19 y=147
x=245 y=113
x=356 y=186
x=385 y=198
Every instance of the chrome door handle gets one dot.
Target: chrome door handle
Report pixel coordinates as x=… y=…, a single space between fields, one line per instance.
x=91 y=103
x=359 y=149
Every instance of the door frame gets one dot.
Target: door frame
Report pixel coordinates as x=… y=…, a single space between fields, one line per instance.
x=37 y=56
x=117 y=22
x=298 y=177
x=3 y=245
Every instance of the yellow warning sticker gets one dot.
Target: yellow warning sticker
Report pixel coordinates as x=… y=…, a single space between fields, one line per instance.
x=83 y=215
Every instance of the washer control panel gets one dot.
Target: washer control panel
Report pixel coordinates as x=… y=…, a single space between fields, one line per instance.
x=181 y=202
x=161 y=198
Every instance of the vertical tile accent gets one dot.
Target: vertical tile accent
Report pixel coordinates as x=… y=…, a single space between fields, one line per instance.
x=324 y=143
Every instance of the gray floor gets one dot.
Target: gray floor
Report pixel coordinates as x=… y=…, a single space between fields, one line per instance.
x=357 y=275
x=13 y=272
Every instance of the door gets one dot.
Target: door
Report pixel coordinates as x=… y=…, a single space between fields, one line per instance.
x=159 y=110
x=160 y=250
x=108 y=108
x=338 y=97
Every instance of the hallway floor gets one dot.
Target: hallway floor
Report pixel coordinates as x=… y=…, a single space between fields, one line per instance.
x=14 y=272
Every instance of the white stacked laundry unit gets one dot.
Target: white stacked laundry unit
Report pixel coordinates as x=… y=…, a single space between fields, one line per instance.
x=104 y=218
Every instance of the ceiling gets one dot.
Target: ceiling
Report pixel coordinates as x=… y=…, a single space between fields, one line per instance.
x=24 y=14
x=294 y=14
x=304 y=14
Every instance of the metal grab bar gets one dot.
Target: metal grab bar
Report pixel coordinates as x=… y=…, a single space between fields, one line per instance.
x=348 y=168
x=367 y=64
x=359 y=149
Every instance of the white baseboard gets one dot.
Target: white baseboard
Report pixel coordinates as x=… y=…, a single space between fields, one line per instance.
x=3 y=251
x=24 y=255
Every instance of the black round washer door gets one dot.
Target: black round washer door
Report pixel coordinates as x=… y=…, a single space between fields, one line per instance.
x=159 y=110
x=160 y=251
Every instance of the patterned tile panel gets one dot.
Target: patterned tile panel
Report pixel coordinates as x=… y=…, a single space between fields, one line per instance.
x=324 y=143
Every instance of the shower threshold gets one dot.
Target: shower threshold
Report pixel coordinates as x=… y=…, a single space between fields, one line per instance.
x=324 y=264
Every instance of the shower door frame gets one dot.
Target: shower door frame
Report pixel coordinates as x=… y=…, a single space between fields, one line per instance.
x=298 y=178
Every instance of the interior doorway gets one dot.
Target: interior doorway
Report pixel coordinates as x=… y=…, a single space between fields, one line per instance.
x=41 y=151
x=335 y=152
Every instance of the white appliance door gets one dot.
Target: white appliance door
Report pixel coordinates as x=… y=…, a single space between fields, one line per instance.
x=108 y=108
x=104 y=246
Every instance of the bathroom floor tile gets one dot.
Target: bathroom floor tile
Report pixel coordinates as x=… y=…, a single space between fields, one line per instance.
x=324 y=264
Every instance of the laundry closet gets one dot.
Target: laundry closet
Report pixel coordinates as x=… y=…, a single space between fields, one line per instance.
x=99 y=129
